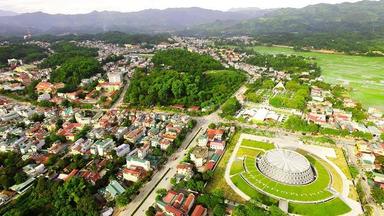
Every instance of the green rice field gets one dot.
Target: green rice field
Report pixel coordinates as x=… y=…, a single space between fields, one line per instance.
x=364 y=75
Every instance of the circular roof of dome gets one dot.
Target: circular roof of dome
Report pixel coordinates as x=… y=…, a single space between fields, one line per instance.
x=287 y=160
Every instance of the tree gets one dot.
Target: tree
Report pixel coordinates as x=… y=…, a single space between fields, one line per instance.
x=151 y=211
x=230 y=107
x=378 y=194
x=161 y=193
x=219 y=210
x=212 y=126
x=212 y=199
x=20 y=177
x=268 y=84
x=36 y=117
x=295 y=123
x=250 y=208
x=276 y=211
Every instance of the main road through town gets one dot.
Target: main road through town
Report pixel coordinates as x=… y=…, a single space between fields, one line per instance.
x=161 y=179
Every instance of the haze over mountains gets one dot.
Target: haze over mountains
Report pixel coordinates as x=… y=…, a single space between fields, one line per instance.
x=360 y=16
x=146 y=21
x=7 y=13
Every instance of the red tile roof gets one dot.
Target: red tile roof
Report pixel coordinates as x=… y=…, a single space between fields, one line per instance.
x=174 y=211
x=213 y=132
x=199 y=211
x=169 y=197
x=179 y=200
x=188 y=203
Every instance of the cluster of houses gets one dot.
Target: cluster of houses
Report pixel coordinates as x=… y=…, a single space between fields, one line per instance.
x=18 y=76
x=204 y=156
x=368 y=152
x=26 y=137
x=132 y=135
x=322 y=112
x=179 y=204
x=210 y=147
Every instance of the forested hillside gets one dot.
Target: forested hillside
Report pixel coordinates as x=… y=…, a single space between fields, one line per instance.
x=27 y=53
x=348 y=27
x=182 y=77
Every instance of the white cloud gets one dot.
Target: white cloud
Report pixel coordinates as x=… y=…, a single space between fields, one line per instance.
x=84 y=6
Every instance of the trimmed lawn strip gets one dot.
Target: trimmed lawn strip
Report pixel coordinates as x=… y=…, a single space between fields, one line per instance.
x=337 y=182
x=250 y=191
x=218 y=181
x=237 y=167
x=247 y=152
x=333 y=207
x=258 y=144
x=341 y=162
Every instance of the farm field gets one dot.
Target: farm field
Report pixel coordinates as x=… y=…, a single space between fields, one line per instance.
x=365 y=75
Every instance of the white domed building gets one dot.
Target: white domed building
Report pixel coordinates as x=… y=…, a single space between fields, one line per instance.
x=286 y=166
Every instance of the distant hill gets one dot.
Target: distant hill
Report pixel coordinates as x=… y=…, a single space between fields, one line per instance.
x=363 y=16
x=7 y=13
x=146 y=21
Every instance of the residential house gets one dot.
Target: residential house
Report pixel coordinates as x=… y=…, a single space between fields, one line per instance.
x=103 y=147
x=134 y=174
x=134 y=135
x=199 y=155
x=122 y=150
x=143 y=151
x=199 y=211
x=164 y=144
x=184 y=171
x=114 y=188
x=137 y=162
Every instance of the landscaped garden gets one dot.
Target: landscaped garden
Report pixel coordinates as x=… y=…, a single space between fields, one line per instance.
x=245 y=175
x=315 y=191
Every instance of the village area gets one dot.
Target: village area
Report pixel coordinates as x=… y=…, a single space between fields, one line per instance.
x=171 y=160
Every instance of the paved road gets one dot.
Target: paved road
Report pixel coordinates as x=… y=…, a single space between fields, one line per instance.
x=122 y=94
x=162 y=179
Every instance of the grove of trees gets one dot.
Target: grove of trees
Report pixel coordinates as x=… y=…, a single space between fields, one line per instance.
x=180 y=77
x=47 y=197
x=27 y=53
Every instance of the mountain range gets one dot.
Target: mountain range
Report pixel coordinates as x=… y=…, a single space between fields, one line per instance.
x=364 y=17
x=146 y=21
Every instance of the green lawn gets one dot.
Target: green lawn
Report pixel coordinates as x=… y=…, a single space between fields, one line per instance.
x=258 y=144
x=218 y=181
x=364 y=74
x=250 y=191
x=314 y=191
x=333 y=207
x=237 y=167
x=247 y=152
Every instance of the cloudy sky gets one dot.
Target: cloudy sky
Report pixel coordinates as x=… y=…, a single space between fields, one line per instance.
x=84 y=6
